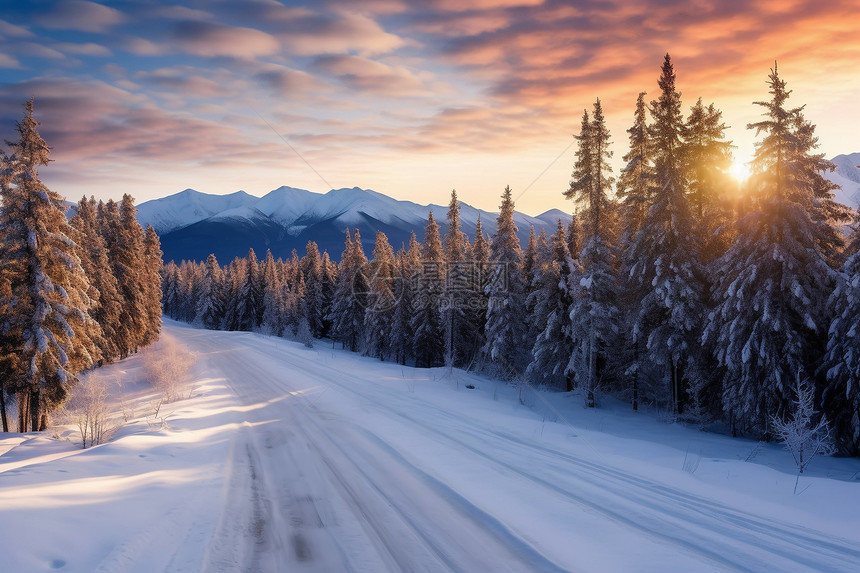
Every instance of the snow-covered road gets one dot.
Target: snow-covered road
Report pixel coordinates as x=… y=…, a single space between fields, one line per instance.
x=319 y=460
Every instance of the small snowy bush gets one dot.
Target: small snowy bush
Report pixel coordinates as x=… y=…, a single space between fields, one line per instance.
x=166 y=365
x=803 y=439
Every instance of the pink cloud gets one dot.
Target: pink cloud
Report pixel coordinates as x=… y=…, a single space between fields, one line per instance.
x=209 y=39
x=80 y=15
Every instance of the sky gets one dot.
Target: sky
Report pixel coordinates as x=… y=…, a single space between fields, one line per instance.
x=411 y=99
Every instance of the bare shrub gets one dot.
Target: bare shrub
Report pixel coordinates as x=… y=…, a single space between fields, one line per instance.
x=166 y=367
x=801 y=435
x=88 y=407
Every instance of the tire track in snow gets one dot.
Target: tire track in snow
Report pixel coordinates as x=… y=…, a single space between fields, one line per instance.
x=799 y=546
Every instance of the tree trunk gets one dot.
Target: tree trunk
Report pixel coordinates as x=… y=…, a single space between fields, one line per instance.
x=636 y=377
x=673 y=377
x=35 y=411
x=592 y=367
x=23 y=411
x=3 y=410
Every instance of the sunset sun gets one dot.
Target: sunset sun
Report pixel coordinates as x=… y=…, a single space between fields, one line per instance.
x=739 y=170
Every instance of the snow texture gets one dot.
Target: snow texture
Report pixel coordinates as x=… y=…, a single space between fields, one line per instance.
x=289 y=458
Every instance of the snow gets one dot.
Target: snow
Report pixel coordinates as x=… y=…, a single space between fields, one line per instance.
x=290 y=458
x=188 y=207
x=294 y=209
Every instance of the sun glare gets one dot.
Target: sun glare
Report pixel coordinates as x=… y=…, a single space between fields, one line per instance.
x=739 y=170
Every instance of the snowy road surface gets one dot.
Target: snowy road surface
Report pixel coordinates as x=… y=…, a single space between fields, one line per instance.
x=296 y=459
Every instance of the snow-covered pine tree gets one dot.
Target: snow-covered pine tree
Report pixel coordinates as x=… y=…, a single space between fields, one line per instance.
x=106 y=305
x=329 y=280
x=12 y=379
x=635 y=191
x=172 y=290
x=429 y=341
x=841 y=396
x=311 y=267
x=151 y=282
x=192 y=282
x=808 y=172
x=664 y=256
x=46 y=287
x=408 y=271
x=505 y=349
x=273 y=302
x=574 y=237
x=210 y=301
x=124 y=238
x=380 y=300
x=707 y=158
x=771 y=287
x=553 y=346
x=636 y=184
x=531 y=266
x=350 y=295
x=460 y=328
x=593 y=310
x=249 y=297
x=480 y=281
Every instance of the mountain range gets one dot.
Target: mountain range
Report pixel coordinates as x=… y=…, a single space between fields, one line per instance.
x=847 y=176
x=192 y=224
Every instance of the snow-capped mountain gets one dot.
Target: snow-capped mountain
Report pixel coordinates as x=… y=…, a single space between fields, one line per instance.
x=847 y=176
x=193 y=224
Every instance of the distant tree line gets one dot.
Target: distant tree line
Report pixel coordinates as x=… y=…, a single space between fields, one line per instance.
x=73 y=293
x=674 y=285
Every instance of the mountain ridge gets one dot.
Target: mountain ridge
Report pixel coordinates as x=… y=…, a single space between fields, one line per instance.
x=193 y=224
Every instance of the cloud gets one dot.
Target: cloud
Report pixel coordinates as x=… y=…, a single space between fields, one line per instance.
x=284 y=81
x=365 y=75
x=187 y=81
x=336 y=33
x=210 y=39
x=86 y=49
x=9 y=63
x=142 y=46
x=79 y=15
x=13 y=31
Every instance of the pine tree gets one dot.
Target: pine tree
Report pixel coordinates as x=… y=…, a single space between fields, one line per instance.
x=248 y=300
x=44 y=283
x=505 y=348
x=273 y=301
x=329 y=280
x=707 y=157
x=807 y=173
x=427 y=321
x=151 y=283
x=635 y=191
x=350 y=295
x=636 y=183
x=380 y=300
x=665 y=270
x=106 y=305
x=311 y=267
x=408 y=272
x=173 y=291
x=771 y=287
x=460 y=331
x=553 y=346
x=841 y=396
x=210 y=305
x=593 y=310
x=124 y=238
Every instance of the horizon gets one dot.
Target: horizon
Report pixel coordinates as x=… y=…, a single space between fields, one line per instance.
x=407 y=99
